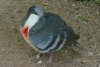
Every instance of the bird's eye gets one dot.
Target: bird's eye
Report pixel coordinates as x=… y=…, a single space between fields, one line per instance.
x=34 y=12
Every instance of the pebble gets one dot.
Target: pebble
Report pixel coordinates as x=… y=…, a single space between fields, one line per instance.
x=73 y=5
x=39 y=62
x=86 y=61
x=97 y=13
x=10 y=62
x=2 y=49
x=98 y=65
x=90 y=53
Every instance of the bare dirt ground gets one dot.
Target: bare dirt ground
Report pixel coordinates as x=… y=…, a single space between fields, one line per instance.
x=84 y=18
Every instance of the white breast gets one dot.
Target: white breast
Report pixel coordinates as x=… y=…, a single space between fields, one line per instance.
x=32 y=20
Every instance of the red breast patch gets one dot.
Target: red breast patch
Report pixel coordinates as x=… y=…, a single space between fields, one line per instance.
x=25 y=32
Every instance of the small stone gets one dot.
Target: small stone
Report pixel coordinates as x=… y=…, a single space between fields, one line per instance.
x=98 y=30
x=43 y=66
x=73 y=5
x=39 y=62
x=78 y=59
x=2 y=49
x=21 y=62
x=11 y=62
x=97 y=13
x=86 y=61
x=90 y=53
x=98 y=65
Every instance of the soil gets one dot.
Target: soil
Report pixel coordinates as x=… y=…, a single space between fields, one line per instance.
x=83 y=17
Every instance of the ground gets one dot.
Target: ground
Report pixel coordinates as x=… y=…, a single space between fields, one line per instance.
x=83 y=17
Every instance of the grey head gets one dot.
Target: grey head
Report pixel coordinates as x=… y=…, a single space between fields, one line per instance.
x=35 y=10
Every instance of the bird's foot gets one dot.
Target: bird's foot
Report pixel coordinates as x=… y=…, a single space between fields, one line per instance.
x=50 y=58
x=38 y=58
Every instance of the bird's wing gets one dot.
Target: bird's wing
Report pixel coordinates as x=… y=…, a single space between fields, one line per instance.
x=46 y=41
x=41 y=39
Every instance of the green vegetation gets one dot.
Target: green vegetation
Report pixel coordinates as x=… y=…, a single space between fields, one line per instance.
x=97 y=1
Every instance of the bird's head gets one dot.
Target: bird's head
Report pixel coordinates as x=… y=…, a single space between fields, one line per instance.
x=37 y=10
x=32 y=17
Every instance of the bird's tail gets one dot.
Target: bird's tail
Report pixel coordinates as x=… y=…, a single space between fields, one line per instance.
x=75 y=40
x=78 y=45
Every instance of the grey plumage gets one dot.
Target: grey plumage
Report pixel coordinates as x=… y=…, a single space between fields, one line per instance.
x=50 y=33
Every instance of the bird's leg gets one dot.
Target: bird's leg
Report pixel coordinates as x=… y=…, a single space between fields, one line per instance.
x=50 y=58
x=38 y=60
x=38 y=56
x=78 y=45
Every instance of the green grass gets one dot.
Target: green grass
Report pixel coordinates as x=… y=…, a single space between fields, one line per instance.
x=97 y=1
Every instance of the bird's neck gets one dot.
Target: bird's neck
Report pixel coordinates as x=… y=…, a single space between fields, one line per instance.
x=31 y=21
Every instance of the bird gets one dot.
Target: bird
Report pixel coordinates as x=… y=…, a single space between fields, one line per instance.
x=45 y=31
